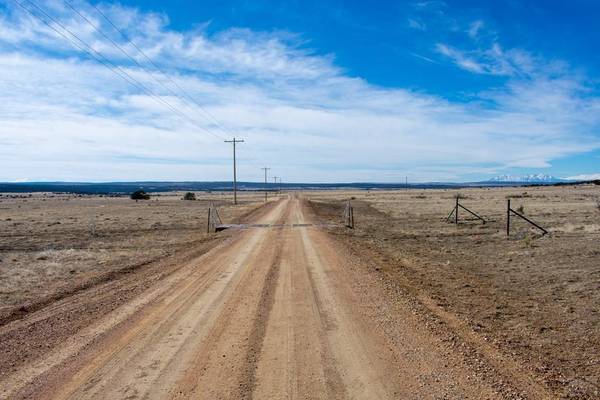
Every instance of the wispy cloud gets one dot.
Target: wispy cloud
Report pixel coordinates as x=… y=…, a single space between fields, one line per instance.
x=494 y=60
x=67 y=117
x=461 y=58
x=431 y=4
x=418 y=25
x=474 y=28
x=422 y=57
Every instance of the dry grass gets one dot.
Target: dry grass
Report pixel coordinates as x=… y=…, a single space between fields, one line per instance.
x=536 y=297
x=51 y=243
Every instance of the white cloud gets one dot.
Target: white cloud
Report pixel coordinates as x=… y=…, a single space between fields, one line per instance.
x=494 y=60
x=474 y=28
x=418 y=25
x=460 y=58
x=66 y=117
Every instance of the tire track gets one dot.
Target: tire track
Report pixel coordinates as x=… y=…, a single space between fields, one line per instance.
x=222 y=365
x=255 y=341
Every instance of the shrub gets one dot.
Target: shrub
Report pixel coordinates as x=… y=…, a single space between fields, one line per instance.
x=189 y=196
x=140 y=195
x=521 y=210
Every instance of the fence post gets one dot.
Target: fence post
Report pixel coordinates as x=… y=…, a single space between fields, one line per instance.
x=349 y=215
x=510 y=210
x=456 y=212
x=508 y=218
x=208 y=222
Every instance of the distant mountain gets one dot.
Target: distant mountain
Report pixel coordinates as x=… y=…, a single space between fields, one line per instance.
x=531 y=178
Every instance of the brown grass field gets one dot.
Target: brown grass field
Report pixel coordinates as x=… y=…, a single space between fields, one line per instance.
x=52 y=245
x=533 y=299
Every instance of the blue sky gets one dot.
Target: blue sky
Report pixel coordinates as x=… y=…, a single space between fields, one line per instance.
x=320 y=90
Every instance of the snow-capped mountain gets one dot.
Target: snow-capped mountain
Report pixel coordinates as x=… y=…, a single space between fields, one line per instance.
x=531 y=178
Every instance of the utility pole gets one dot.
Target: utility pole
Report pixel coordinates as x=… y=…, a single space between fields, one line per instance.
x=275 y=183
x=266 y=169
x=234 y=141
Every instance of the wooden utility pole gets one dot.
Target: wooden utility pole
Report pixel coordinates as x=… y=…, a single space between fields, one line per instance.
x=266 y=169
x=234 y=141
x=275 y=183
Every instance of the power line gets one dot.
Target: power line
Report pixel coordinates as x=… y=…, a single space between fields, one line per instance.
x=99 y=57
x=130 y=41
x=86 y=48
x=115 y=44
x=120 y=48
x=103 y=62
x=124 y=35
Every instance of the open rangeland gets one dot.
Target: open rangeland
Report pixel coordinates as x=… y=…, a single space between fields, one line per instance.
x=52 y=245
x=527 y=299
x=107 y=298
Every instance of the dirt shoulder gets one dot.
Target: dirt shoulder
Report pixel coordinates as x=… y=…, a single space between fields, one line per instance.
x=521 y=306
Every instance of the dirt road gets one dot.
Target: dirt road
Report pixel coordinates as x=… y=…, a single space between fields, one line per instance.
x=272 y=312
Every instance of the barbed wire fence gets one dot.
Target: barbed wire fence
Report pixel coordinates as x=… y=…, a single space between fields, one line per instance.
x=458 y=206
x=510 y=211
